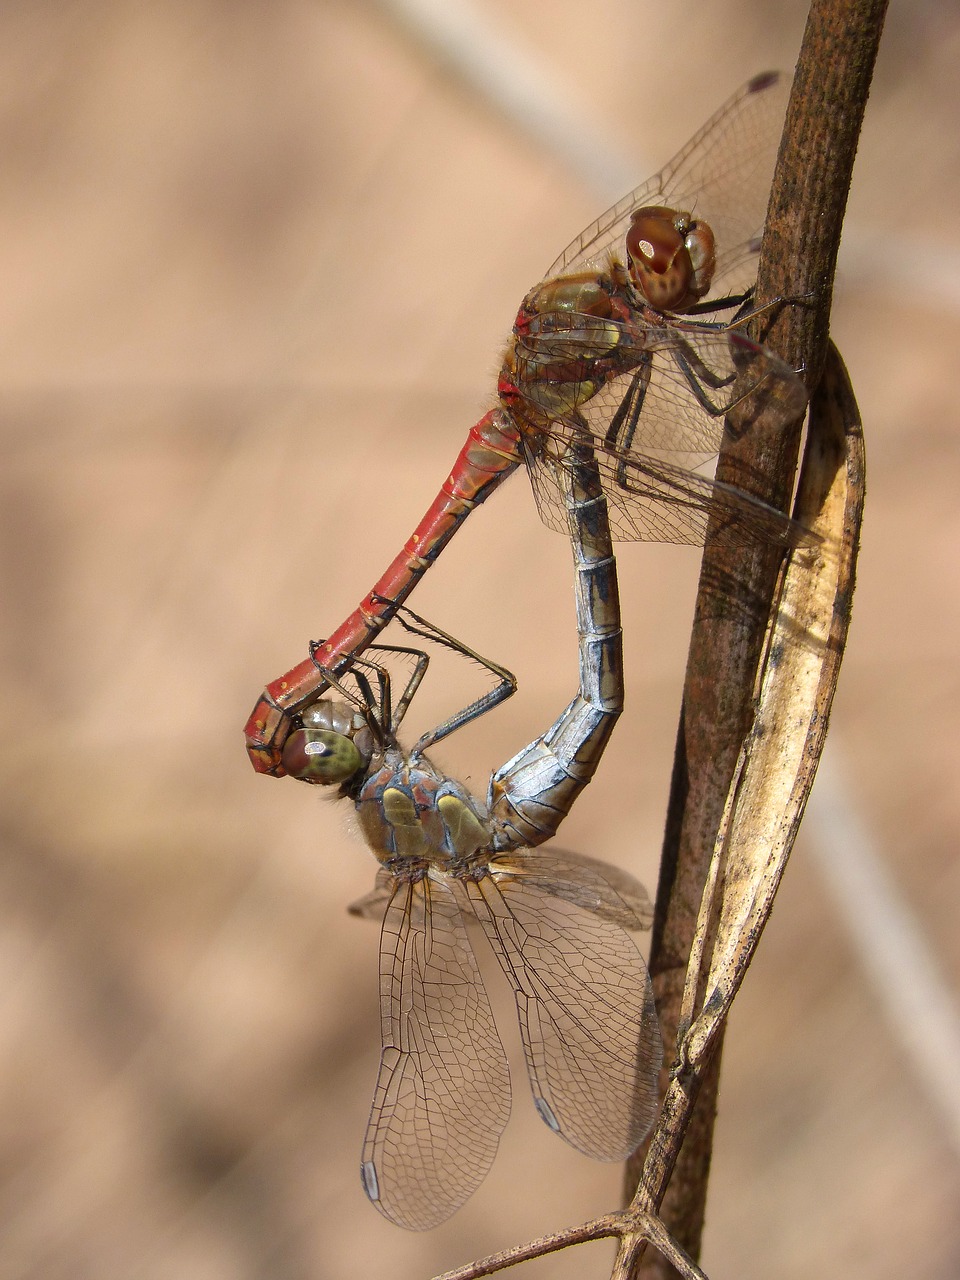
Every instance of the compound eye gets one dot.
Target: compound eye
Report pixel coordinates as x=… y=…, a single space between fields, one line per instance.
x=653 y=241
x=659 y=260
x=321 y=756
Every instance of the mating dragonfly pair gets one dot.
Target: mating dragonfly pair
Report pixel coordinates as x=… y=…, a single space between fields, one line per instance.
x=613 y=389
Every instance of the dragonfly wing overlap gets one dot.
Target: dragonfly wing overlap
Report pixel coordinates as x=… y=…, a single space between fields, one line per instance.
x=443 y=1091
x=598 y=887
x=650 y=500
x=653 y=424
x=586 y=1013
x=691 y=377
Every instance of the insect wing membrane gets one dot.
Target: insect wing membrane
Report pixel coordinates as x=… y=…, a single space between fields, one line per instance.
x=443 y=1091
x=724 y=173
x=722 y=176
x=597 y=886
x=586 y=1013
x=651 y=424
x=692 y=378
x=687 y=379
x=653 y=501
x=373 y=904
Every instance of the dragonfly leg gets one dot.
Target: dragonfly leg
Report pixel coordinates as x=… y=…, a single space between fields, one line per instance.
x=740 y=300
x=383 y=716
x=375 y=707
x=382 y=708
x=491 y=452
x=748 y=311
x=505 y=687
x=696 y=373
x=623 y=424
x=392 y=718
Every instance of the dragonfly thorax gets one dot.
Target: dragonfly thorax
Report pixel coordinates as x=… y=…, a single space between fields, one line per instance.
x=587 y=293
x=565 y=345
x=411 y=811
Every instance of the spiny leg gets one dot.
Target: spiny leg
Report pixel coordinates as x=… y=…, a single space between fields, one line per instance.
x=696 y=373
x=623 y=424
x=379 y=708
x=505 y=688
x=710 y=305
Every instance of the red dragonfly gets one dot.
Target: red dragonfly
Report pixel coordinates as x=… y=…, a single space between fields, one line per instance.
x=631 y=346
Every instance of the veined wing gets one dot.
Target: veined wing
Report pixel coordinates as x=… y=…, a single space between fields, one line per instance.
x=653 y=424
x=599 y=887
x=373 y=904
x=443 y=1091
x=721 y=176
x=650 y=500
x=586 y=1013
x=692 y=377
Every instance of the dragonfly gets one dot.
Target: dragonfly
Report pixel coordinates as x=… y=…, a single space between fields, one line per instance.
x=557 y=923
x=632 y=346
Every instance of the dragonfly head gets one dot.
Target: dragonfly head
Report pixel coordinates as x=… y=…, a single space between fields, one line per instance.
x=333 y=745
x=671 y=257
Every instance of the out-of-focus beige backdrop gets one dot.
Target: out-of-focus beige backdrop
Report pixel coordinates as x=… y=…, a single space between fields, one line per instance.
x=257 y=265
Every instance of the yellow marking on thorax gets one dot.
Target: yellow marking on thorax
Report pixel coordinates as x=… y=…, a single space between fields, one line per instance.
x=401 y=813
x=467 y=832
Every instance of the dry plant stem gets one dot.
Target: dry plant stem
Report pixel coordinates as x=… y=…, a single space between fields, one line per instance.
x=805 y=639
x=737 y=603
x=810 y=617
x=798 y=259
x=598 y=1229
x=632 y=1227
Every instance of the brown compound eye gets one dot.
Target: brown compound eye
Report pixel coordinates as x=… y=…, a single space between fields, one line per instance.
x=321 y=756
x=700 y=244
x=671 y=259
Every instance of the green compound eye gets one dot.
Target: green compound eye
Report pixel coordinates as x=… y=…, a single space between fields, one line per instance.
x=320 y=755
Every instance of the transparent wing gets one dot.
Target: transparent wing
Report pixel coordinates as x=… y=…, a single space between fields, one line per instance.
x=373 y=904
x=694 y=375
x=586 y=1013
x=654 y=423
x=653 y=501
x=443 y=1092
x=721 y=176
x=598 y=887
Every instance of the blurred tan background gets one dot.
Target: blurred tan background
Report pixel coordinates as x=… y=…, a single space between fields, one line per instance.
x=257 y=264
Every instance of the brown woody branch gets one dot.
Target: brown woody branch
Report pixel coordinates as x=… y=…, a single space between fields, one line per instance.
x=737 y=586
